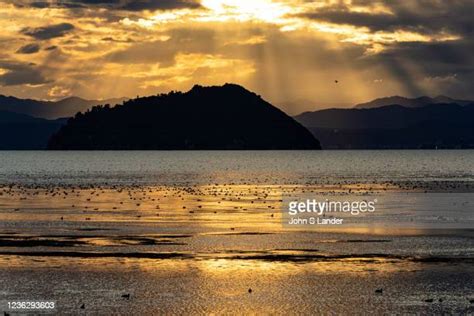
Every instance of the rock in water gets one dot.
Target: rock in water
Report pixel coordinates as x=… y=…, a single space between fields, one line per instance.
x=213 y=118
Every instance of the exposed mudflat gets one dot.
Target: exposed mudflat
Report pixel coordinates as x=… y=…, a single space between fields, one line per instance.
x=213 y=242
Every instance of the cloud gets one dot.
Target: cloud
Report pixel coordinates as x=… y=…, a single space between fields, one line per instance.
x=343 y=15
x=410 y=63
x=159 y=5
x=145 y=53
x=423 y=16
x=28 y=49
x=15 y=73
x=283 y=49
x=435 y=59
x=48 y=32
x=53 y=47
x=164 y=52
x=125 y=5
x=59 y=92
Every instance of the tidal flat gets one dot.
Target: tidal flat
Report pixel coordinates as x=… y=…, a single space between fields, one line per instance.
x=117 y=243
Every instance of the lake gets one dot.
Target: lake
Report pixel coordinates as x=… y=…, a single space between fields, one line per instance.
x=203 y=232
x=281 y=167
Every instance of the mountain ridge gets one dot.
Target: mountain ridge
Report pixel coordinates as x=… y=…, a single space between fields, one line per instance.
x=23 y=132
x=410 y=102
x=393 y=127
x=66 y=107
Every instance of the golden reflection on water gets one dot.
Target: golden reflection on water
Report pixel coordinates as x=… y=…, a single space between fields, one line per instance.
x=222 y=267
x=216 y=268
x=208 y=205
x=221 y=205
x=241 y=214
x=212 y=207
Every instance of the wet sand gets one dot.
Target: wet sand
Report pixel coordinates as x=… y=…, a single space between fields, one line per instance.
x=221 y=248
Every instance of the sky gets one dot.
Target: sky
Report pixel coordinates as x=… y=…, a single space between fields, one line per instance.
x=298 y=54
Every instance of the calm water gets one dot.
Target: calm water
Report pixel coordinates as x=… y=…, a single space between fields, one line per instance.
x=191 y=232
x=282 y=167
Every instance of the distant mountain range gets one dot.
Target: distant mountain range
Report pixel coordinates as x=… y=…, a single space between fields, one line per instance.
x=232 y=117
x=411 y=102
x=393 y=127
x=52 y=109
x=20 y=131
x=204 y=118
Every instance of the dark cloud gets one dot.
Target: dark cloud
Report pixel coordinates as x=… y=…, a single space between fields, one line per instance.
x=111 y=39
x=28 y=49
x=418 y=15
x=432 y=59
x=342 y=15
x=159 y=5
x=445 y=67
x=20 y=73
x=48 y=32
x=126 y=5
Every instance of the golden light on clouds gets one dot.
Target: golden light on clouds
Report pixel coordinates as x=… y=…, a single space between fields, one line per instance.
x=286 y=50
x=243 y=11
x=210 y=67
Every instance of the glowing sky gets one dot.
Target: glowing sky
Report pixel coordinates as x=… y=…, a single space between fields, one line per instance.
x=290 y=51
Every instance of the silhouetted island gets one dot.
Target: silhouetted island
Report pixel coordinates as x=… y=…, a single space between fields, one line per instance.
x=204 y=118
